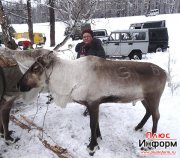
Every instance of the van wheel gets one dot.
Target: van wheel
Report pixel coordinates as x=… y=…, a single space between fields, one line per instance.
x=159 y=49
x=136 y=56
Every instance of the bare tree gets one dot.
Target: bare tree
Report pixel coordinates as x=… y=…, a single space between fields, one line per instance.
x=30 y=24
x=68 y=9
x=7 y=37
x=74 y=12
x=52 y=22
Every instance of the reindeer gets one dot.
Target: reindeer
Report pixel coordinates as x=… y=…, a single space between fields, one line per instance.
x=10 y=74
x=92 y=80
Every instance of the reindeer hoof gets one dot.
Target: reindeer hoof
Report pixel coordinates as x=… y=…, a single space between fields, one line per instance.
x=9 y=133
x=138 y=128
x=98 y=138
x=11 y=140
x=92 y=151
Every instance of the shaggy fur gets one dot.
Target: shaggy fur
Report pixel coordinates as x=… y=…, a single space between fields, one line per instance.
x=9 y=76
x=92 y=80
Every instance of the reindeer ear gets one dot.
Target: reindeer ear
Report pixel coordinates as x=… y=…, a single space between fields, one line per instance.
x=50 y=55
x=48 y=58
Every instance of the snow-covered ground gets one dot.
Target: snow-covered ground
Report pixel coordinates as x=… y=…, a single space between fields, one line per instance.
x=70 y=129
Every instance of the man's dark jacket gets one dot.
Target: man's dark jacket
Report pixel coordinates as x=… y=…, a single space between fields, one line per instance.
x=94 y=48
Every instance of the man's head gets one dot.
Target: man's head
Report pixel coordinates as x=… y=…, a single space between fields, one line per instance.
x=87 y=36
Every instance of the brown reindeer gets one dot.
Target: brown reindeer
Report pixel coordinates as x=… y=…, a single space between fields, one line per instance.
x=91 y=81
x=10 y=74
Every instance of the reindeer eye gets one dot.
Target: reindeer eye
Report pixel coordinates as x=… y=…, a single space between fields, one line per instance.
x=35 y=68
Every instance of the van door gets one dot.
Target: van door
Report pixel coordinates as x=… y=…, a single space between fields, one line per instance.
x=158 y=39
x=140 y=41
x=126 y=43
x=112 y=46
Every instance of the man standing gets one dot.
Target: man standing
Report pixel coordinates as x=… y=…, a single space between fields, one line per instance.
x=89 y=46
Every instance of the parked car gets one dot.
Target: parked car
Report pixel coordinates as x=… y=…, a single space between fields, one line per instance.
x=148 y=24
x=100 y=34
x=127 y=43
x=158 y=40
x=133 y=43
x=153 y=12
x=39 y=38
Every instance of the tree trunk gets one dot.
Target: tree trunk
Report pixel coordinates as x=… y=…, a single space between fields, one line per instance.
x=30 y=24
x=7 y=37
x=52 y=22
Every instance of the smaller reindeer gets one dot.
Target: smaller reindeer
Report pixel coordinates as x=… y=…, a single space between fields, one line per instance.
x=10 y=74
x=92 y=80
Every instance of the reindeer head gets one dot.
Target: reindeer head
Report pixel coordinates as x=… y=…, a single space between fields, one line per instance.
x=39 y=69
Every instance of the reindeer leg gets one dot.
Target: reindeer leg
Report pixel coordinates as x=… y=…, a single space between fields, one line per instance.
x=98 y=132
x=146 y=116
x=153 y=104
x=152 y=108
x=1 y=126
x=93 y=145
x=5 y=121
x=155 y=118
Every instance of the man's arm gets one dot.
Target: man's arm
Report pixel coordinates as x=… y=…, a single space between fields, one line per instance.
x=100 y=49
x=78 y=49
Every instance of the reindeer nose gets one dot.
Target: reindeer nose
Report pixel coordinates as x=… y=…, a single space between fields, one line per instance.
x=23 y=88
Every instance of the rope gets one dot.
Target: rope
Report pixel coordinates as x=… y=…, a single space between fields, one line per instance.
x=42 y=136
x=50 y=98
x=39 y=94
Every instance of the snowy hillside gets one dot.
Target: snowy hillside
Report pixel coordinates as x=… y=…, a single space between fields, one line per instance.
x=70 y=129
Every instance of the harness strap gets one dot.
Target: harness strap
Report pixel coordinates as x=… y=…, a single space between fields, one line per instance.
x=50 y=98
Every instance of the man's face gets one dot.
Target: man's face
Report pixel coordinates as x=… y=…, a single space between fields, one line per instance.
x=87 y=38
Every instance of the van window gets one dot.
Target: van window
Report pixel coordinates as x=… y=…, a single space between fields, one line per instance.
x=153 y=12
x=114 y=36
x=139 y=35
x=99 y=33
x=158 y=34
x=125 y=36
x=154 y=24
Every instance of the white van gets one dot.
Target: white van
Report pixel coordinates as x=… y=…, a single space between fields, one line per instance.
x=133 y=43
x=127 y=43
x=153 y=12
